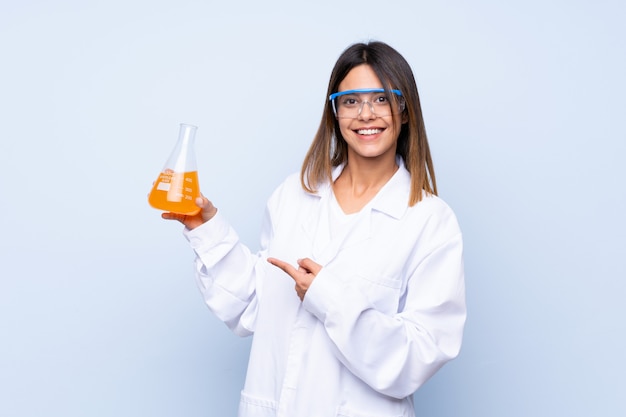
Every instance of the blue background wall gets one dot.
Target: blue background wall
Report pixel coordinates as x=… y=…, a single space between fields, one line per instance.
x=525 y=108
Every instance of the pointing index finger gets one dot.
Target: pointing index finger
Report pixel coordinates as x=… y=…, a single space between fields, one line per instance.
x=286 y=267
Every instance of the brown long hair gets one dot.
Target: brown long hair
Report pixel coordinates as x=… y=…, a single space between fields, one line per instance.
x=329 y=149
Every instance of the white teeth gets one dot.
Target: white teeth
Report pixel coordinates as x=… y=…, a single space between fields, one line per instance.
x=368 y=131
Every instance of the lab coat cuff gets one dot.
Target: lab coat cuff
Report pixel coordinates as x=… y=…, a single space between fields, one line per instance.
x=208 y=235
x=320 y=296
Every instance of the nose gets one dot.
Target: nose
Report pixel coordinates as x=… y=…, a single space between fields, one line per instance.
x=366 y=114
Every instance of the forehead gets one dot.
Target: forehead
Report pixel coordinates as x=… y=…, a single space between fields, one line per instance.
x=359 y=77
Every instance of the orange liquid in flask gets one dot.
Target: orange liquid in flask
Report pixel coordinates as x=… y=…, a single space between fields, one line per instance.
x=176 y=192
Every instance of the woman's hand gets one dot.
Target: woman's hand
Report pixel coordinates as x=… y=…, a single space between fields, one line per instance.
x=303 y=276
x=206 y=213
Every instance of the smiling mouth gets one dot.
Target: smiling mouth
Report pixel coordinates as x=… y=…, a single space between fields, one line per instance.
x=369 y=131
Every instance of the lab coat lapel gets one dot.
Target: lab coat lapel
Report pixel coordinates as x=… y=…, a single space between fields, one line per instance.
x=322 y=242
x=317 y=227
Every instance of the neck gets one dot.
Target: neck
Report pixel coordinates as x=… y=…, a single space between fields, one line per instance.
x=360 y=181
x=363 y=174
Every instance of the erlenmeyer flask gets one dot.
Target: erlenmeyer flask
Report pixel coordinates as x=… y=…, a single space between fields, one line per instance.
x=177 y=187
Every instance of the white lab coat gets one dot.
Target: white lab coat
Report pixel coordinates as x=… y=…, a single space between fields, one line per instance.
x=386 y=311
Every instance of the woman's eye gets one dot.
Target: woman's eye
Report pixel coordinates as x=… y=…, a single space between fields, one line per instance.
x=349 y=101
x=381 y=100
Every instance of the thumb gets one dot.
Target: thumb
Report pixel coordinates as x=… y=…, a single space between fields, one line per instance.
x=201 y=201
x=208 y=210
x=309 y=265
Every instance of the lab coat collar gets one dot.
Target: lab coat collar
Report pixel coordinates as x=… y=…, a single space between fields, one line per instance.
x=392 y=199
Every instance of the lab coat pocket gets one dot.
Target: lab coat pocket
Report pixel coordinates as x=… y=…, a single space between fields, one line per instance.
x=257 y=407
x=382 y=292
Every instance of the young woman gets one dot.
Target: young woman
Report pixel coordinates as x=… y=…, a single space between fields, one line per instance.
x=375 y=256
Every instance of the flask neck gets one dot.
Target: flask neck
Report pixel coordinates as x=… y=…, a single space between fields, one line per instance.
x=183 y=157
x=187 y=133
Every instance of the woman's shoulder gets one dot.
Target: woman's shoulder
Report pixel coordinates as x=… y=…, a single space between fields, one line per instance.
x=291 y=185
x=292 y=181
x=290 y=190
x=434 y=211
x=431 y=204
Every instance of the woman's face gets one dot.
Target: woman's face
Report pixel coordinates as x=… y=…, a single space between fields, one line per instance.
x=368 y=135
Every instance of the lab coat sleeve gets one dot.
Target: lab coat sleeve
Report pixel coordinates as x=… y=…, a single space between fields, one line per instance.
x=396 y=354
x=227 y=273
